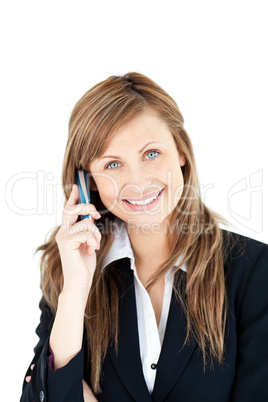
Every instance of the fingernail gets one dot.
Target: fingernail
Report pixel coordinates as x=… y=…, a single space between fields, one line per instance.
x=73 y=187
x=97 y=214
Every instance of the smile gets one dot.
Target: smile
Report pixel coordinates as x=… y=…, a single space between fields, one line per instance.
x=145 y=204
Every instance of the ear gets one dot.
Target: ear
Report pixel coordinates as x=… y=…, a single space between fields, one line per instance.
x=182 y=159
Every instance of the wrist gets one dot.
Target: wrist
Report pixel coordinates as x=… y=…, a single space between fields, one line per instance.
x=75 y=295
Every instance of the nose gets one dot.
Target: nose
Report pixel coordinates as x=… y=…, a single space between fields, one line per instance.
x=136 y=181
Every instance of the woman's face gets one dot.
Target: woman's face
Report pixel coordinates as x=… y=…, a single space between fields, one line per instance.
x=140 y=160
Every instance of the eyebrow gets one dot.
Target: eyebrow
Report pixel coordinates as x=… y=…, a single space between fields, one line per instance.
x=118 y=157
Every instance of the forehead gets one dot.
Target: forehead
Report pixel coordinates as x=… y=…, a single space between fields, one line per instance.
x=146 y=126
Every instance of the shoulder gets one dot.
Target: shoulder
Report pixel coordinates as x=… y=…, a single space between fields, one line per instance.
x=246 y=266
x=242 y=250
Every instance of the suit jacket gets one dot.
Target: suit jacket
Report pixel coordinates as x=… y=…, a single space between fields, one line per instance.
x=180 y=376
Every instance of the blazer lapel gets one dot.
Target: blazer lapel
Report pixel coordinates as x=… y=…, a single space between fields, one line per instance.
x=172 y=360
x=128 y=363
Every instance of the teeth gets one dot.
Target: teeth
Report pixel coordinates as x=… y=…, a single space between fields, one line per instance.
x=145 y=202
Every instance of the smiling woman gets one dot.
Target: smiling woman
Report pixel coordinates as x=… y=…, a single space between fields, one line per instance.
x=143 y=183
x=153 y=301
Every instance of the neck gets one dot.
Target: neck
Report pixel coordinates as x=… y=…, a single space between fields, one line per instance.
x=150 y=249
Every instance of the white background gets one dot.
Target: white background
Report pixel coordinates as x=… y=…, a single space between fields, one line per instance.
x=210 y=56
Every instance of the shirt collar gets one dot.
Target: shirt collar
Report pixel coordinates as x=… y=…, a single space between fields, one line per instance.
x=121 y=247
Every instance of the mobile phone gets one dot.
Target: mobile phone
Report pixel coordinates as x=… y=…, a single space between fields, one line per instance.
x=82 y=180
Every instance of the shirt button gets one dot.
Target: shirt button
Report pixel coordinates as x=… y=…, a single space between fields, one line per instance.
x=153 y=366
x=42 y=396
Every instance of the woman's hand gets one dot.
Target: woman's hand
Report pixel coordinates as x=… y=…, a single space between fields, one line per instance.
x=87 y=393
x=28 y=378
x=77 y=242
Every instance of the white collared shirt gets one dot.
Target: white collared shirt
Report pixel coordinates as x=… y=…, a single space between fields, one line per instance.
x=150 y=335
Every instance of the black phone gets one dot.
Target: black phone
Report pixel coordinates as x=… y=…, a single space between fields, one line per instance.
x=82 y=180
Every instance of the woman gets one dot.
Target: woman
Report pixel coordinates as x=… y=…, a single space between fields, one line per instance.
x=150 y=300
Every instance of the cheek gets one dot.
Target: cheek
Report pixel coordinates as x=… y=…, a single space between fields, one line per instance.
x=162 y=170
x=108 y=189
x=169 y=172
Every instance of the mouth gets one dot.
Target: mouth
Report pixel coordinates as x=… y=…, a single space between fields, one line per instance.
x=147 y=201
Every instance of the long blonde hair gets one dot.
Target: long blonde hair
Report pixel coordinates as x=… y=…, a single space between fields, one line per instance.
x=95 y=119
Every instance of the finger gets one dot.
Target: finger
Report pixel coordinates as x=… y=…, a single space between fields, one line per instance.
x=81 y=209
x=93 y=241
x=75 y=241
x=73 y=198
x=32 y=366
x=70 y=214
x=86 y=226
x=91 y=249
x=28 y=378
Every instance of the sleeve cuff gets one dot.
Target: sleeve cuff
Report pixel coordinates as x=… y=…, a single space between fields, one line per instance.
x=66 y=382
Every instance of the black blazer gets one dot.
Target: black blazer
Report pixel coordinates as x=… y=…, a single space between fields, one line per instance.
x=179 y=377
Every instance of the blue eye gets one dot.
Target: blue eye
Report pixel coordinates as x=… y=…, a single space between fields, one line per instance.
x=151 y=152
x=112 y=163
